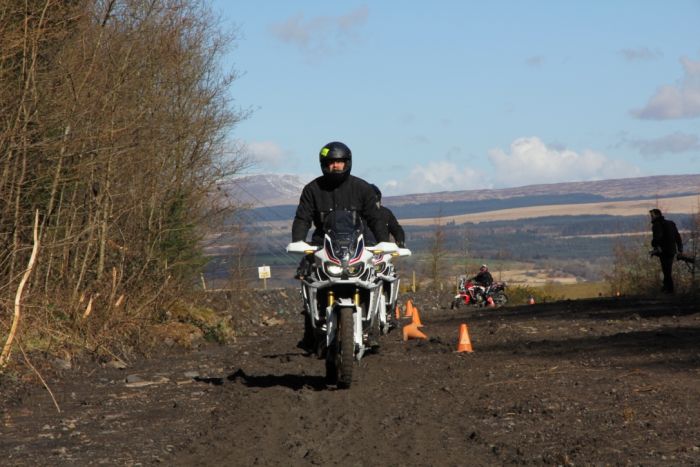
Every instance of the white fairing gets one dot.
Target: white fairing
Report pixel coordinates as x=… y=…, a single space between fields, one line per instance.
x=369 y=292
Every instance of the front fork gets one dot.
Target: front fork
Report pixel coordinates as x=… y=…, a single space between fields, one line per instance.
x=332 y=318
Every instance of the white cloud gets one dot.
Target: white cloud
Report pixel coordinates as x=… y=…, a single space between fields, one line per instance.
x=436 y=176
x=420 y=139
x=321 y=34
x=677 y=101
x=266 y=154
x=674 y=143
x=530 y=161
x=536 y=61
x=640 y=54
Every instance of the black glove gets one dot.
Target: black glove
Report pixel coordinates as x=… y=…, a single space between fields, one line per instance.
x=401 y=244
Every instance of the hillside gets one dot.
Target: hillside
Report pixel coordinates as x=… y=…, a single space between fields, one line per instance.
x=605 y=197
x=265 y=190
x=279 y=190
x=558 y=225
x=625 y=188
x=638 y=207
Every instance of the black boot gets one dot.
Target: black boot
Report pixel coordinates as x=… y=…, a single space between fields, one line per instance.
x=392 y=322
x=308 y=342
x=305 y=267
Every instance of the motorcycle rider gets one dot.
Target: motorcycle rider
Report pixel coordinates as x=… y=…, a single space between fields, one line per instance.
x=395 y=230
x=335 y=190
x=393 y=226
x=666 y=242
x=483 y=279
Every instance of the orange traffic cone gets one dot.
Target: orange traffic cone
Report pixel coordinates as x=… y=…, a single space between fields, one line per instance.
x=464 y=344
x=415 y=318
x=409 y=308
x=397 y=312
x=531 y=300
x=411 y=332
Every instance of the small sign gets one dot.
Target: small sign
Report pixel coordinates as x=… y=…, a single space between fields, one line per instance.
x=264 y=272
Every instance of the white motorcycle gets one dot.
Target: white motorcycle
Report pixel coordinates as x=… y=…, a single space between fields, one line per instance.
x=386 y=271
x=343 y=295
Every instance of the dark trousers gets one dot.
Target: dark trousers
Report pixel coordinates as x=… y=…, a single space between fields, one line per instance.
x=667 y=270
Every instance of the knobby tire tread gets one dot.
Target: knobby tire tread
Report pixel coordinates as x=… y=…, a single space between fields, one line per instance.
x=346 y=348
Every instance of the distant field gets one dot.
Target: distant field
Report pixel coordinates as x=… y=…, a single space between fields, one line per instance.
x=682 y=204
x=678 y=205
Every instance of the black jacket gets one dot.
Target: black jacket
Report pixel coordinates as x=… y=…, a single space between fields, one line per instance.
x=665 y=236
x=320 y=197
x=393 y=226
x=483 y=278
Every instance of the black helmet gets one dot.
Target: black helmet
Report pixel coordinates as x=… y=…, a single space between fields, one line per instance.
x=333 y=152
x=377 y=191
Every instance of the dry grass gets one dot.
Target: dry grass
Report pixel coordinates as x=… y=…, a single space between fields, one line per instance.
x=559 y=286
x=577 y=290
x=533 y=277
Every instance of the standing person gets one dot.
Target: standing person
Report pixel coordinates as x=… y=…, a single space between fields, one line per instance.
x=388 y=218
x=666 y=243
x=335 y=190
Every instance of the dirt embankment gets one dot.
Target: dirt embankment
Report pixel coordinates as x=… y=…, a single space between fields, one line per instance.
x=606 y=381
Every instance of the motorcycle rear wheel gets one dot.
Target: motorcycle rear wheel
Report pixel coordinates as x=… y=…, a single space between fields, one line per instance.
x=500 y=298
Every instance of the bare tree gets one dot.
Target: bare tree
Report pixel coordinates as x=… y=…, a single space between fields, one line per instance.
x=115 y=115
x=437 y=253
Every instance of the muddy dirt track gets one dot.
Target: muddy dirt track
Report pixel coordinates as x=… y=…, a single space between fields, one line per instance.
x=602 y=382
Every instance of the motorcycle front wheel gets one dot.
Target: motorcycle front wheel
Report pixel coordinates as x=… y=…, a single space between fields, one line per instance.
x=341 y=353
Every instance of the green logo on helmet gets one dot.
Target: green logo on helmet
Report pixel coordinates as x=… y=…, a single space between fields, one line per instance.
x=324 y=152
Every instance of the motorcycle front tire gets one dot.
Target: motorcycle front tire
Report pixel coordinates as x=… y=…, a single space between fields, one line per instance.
x=341 y=353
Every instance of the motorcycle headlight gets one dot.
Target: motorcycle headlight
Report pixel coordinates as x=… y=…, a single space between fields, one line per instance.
x=380 y=267
x=333 y=270
x=356 y=269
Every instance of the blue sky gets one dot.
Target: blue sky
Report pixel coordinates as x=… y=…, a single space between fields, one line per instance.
x=460 y=95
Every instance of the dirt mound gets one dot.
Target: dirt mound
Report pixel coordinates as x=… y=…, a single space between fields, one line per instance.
x=607 y=381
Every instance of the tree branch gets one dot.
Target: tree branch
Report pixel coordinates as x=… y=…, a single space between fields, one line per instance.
x=18 y=297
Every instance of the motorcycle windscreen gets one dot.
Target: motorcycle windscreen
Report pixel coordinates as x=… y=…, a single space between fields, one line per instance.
x=344 y=229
